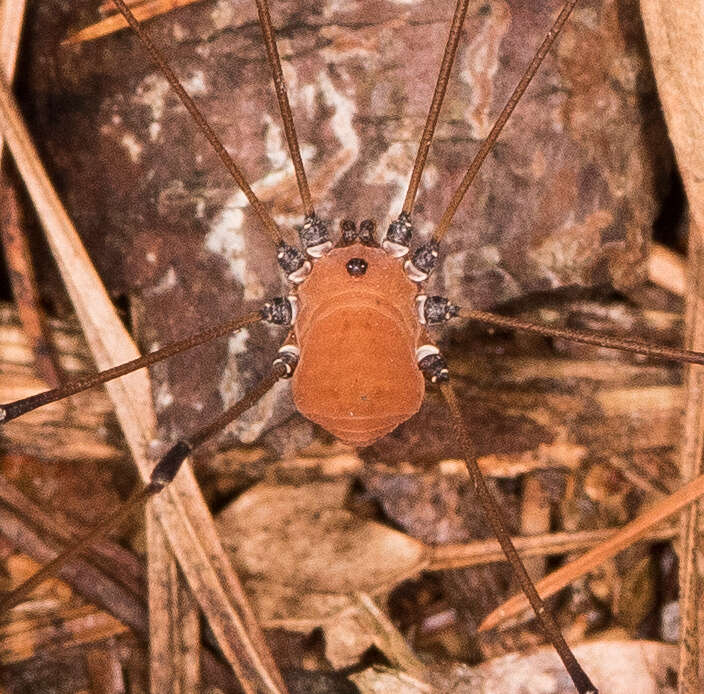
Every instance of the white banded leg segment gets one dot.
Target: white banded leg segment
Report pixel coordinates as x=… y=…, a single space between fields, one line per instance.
x=292 y=262
x=421 y=300
x=435 y=310
x=293 y=302
x=432 y=364
x=319 y=250
x=281 y=310
x=314 y=236
x=423 y=261
x=425 y=351
x=288 y=357
x=413 y=273
x=299 y=275
x=398 y=236
x=395 y=250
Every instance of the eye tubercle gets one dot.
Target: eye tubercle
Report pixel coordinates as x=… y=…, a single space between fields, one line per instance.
x=356 y=267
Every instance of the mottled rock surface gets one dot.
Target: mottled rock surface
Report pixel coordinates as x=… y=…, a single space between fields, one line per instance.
x=567 y=198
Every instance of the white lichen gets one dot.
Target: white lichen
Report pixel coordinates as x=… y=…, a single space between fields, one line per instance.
x=341 y=122
x=133 y=146
x=180 y=33
x=151 y=92
x=223 y=14
x=168 y=281
x=274 y=145
x=392 y=168
x=251 y=424
x=237 y=344
x=195 y=84
x=479 y=64
x=227 y=238
x=163 y=397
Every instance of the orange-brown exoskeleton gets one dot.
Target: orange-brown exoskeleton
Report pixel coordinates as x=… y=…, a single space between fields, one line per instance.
x=358 y=303
x=358 y=354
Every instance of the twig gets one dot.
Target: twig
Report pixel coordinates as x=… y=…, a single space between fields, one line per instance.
x=666 y=269
x=535 y=518
x=48 y=433
x=177 y=628
x=14 y=242
x=675 y=32
x=11 y=18
x=481 y=552
x=109 y=557
x=91 y=582
x=630 y=533
x=28 y=637
x=388 y=639
x=180 y=509
x=24 y=285
x=116 y=22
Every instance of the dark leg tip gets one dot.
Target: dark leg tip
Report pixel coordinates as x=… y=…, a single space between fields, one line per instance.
x=367 y=233
x=166 y=469
x=278 y=311
x=12 y=410
x=349 y=232
x=434 y=368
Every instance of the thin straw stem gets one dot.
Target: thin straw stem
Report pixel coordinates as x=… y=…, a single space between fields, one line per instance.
x=481 y=552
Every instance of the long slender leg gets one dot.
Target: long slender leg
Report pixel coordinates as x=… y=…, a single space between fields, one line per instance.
x=284 y=106
x=162 y=474
x=438 y=309
x=515 y=97
x=12 y=410
x=685 y=356
x=200 y=121
x=493 y=513
x=426 y=138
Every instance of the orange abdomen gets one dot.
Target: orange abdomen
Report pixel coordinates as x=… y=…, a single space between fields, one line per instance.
x=357 y=376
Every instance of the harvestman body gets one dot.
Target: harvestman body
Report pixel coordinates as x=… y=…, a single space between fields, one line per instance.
x=360 y=314
x=357 y=317
x=358 y=353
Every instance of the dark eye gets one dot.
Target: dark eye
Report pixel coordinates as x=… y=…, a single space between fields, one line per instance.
x=356 y=266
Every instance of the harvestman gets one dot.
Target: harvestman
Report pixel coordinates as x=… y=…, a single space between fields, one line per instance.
x=372 y=339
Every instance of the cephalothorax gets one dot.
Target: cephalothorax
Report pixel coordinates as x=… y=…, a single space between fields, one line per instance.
x=358 y=334
x=358 y=353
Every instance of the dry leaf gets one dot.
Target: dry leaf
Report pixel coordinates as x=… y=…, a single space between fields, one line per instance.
x=305 y=557
x=302 y=537
x=380 y=680
x=617 y=667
